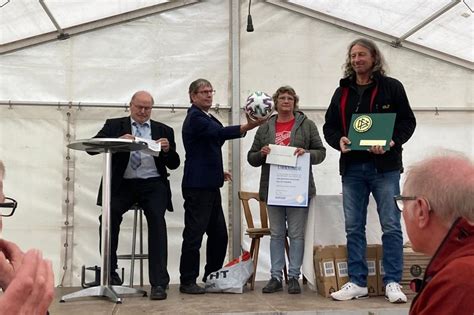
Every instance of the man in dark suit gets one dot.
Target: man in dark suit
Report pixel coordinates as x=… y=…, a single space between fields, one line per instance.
x=203 y=137
x=142 y=179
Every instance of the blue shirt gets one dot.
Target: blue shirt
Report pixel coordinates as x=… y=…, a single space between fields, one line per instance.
x=147 y=168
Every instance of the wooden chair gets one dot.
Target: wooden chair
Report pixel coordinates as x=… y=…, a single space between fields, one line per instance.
x=257 y=232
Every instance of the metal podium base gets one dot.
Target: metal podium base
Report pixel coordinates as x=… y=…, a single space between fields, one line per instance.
x=111 y=292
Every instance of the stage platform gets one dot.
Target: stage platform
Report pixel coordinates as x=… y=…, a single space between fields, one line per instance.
x=250 y=302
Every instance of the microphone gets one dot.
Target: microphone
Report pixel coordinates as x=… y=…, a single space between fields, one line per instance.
x=249 y=20
x=249 y=24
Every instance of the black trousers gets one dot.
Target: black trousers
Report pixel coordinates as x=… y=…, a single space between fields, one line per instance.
x=202 y=214
x=151 y=195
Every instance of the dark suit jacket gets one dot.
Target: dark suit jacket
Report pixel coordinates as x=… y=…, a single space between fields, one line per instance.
x=116 y=127
x=203 y=137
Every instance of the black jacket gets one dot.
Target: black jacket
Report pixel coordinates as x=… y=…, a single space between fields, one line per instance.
x=389 y=98
x=116 y=127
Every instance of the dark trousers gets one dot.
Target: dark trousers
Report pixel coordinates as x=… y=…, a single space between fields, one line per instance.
x=151 y=195
x=202 y=214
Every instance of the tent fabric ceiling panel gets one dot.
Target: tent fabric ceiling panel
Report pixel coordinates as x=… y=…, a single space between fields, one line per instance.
x=26 y=18
x=93 y=10
x=22 y=19
x=451 y=33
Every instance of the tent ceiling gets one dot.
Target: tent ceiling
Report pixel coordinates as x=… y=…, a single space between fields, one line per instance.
x=451 y=31
x=26 y=18
x=442 y=26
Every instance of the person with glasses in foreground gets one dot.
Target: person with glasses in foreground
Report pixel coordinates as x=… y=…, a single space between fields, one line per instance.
x=27 y=280
x=204 y=175
x=438 y=208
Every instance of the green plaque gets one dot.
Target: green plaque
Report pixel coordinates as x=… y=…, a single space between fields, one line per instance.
x=367 y=130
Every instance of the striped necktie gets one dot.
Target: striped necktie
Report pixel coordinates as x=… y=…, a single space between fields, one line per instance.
x=135 y=156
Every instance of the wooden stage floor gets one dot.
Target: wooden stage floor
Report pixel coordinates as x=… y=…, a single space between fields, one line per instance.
x=250 y=302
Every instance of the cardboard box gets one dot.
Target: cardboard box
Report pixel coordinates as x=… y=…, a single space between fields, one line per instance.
x=414 y=267
x=340 y=261
x=325 y=270
x=380 y=271
x=372 y=280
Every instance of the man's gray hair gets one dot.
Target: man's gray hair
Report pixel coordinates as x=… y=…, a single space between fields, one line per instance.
x=447 y=182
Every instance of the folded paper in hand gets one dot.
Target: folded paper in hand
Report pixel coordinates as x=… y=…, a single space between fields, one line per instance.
x=281 y=155
x=153 y=148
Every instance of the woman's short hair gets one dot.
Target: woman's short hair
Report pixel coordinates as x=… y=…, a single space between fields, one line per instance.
x=285 y=89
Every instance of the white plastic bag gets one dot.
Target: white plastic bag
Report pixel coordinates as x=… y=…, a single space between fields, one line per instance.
x=232 y=277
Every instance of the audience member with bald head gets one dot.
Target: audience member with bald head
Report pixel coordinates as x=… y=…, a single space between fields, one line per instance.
x=140 y=178
x=438 y=209
x=26 y=279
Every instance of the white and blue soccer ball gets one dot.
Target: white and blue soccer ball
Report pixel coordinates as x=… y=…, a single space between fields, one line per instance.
x=259 y=105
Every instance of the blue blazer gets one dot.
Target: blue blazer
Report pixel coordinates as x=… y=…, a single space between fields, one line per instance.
x=203 y=137
x=116 y=127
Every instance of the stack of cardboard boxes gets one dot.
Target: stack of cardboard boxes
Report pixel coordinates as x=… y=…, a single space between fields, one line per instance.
x=330 y=264
x=414 y=267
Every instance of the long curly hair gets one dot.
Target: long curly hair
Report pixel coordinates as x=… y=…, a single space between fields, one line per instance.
x=379 y=64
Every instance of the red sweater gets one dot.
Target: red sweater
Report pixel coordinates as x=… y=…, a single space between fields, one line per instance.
x=448 y=284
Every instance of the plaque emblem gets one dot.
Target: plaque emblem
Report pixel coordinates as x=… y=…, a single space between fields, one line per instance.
x=362 y=123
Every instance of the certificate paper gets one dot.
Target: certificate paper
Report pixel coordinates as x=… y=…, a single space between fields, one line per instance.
x=288 y=186
x=281 y=155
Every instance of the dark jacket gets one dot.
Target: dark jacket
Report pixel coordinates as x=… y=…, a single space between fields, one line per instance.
x=304 y=134
x=389 y=98
x=116 y=127
x=448 y=284
x=203 y=137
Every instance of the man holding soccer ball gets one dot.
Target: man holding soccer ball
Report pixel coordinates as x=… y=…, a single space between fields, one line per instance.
x=203 y=137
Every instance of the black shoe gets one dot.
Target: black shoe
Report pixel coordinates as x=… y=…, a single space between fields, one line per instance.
x=158 y=293
x=191 y=288
x=293 y=286
x=115 y=279
x=274 y=285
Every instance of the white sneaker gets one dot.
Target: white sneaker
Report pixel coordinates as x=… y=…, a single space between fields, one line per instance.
x=350 y=291
x=394 y=294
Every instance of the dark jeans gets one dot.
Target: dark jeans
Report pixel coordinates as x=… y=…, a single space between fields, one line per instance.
x=151 y=195
x=203 y=214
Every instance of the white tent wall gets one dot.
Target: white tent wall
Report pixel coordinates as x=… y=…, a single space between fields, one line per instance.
x=163 y=54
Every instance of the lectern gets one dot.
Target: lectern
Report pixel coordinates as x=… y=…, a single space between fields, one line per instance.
x=107 y=146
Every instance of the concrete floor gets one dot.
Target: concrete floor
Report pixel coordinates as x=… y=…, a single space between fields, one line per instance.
x=250 y=302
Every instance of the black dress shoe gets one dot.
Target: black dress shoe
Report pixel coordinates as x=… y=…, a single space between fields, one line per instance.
x=191 y=288
x=274 y=285
x=115 y=279
x=293 y=286
x=158 y=293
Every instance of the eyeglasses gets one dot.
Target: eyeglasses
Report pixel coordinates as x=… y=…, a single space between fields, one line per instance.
x=399 y=201
x=140 y=108
x=286 y=98
x=206 y=92
x=10 y=206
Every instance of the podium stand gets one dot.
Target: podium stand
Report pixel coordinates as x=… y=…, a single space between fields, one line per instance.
x=107 y=146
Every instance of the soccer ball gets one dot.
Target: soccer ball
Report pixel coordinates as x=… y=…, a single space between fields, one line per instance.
x=259 y=105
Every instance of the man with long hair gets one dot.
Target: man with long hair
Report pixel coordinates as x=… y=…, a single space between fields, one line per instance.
x=365 y=88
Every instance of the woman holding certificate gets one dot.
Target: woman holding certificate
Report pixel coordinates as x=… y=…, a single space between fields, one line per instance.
x=293 y=129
